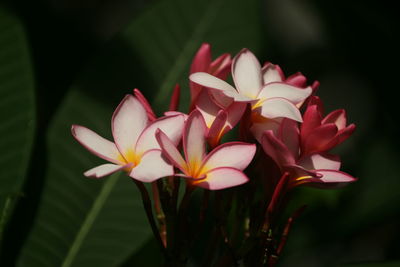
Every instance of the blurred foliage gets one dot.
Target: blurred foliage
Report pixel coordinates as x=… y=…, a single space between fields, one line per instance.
x=17 y=112
x=64 y=62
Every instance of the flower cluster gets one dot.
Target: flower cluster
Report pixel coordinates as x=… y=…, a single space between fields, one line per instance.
x=282 y=128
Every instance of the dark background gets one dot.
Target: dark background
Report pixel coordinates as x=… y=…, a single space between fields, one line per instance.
x=349 y=46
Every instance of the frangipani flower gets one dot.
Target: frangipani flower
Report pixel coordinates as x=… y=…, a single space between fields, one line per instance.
x=320 y=134
x=317 y=169
x=272 y=100
x=218 y=121
x=135 y=150
x=273 y=73
x=202 y=62
x=221 y=168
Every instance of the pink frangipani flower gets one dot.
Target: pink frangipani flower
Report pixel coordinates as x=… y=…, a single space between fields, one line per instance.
x=221 y=168
x=320 y=134
x=218 y=121
x=271 y=100
x=273 y=73
x=135 y=149
x=321 y=169
x=202 y=62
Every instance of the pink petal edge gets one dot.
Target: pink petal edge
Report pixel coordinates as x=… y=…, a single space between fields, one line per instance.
x=96 y=144
x=105 y=170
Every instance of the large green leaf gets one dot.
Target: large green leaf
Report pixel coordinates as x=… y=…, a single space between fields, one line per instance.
x=17 y=111
x=84 y=222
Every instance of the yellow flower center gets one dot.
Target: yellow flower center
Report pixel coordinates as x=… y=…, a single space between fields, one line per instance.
x=258 y=103
x=130 y=157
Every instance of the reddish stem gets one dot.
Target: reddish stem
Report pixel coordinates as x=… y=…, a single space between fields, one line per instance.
x=159 y=213
x=147 y=207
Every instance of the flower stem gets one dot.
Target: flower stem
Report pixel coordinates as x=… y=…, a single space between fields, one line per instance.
x=147 y=207
x=159 y=213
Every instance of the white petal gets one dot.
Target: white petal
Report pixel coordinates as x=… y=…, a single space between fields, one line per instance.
x=291 y=93
x=104 y=170
x=237 y=155
x=221 y=178
x=96 y=144
x=331 y=176
x=271 y=74
x=128 y=122
x=239 y=97
x=152 y=166
x=210 y=81
x=171 y=126
x=321 y=161
x=280 y=108
x=246 y=72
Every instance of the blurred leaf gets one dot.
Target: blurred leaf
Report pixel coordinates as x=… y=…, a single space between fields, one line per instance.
x=83 y=222
x=17 y=110
x=80 y=220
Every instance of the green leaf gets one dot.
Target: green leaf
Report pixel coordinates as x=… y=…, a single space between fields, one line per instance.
x=17 y=111
x=83 y=222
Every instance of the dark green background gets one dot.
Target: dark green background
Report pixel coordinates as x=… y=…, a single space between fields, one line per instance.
x=64 y=62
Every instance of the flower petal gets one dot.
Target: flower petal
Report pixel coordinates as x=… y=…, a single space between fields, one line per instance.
x=246 y=73
x=104 y=170
x=321 y=161
x=311 y=120
x=146 y=104
x=237 y=155
x=174 y=102
x=128 y=122
x=319 y=140
x=272 y=73
x=96 y=144
x=258 y=128
x=235 y=112
x=152 y=166
x=331 y=176
x=221 y=66
x=221 y=178
x=337 y=117
x=208 y=108
x=172 y=126
x=202 y=59
x=201 y=62
x=345 y=133
x=280 y=107
x=341 y=136
x=284 y=90
x=220 y=98
x=217 y=128
x=290 y=135
x=277 y=150
x=210 y=81
x=297 y=79
x=194 y=132
x=239 y=97
x=170 y=151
